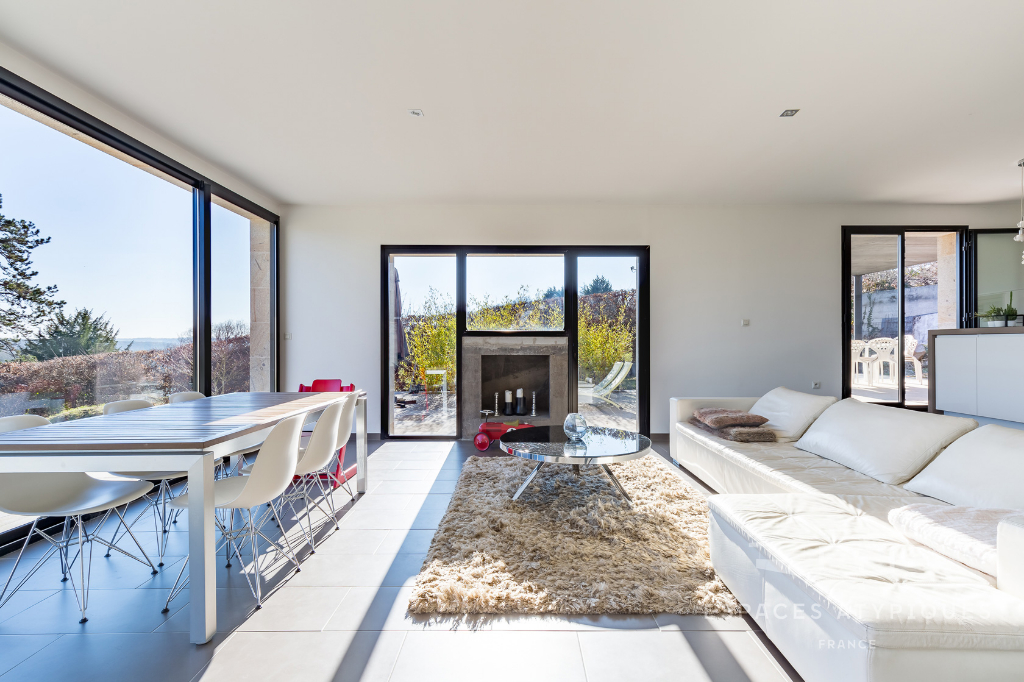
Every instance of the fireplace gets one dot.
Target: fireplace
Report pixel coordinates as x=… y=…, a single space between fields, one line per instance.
x=495 y=364
x=500 y=373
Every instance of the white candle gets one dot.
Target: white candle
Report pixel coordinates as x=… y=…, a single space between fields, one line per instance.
x=519 y=393
x=508 y=396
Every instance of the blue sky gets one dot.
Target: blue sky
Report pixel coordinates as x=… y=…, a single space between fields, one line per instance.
x=121 y=238
x=502 y=276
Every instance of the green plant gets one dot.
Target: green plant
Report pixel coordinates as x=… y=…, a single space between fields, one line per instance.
x=23 y=305
x=1009 y=310
x=80 y=333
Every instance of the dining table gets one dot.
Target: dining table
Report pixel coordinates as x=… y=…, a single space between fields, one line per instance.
x=186 y=436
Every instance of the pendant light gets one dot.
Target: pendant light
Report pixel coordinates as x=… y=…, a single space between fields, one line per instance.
x=1020 y=225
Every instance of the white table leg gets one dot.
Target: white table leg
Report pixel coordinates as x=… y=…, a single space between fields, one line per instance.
x=202 y=579
x=361 y=445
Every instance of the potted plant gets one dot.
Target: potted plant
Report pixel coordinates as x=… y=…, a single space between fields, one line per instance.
x=1011 y=313
x=995 y=316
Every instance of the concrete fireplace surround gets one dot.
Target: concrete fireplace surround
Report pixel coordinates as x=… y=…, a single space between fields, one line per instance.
x=473 y=347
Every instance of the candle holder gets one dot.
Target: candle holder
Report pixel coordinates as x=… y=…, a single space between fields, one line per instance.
x=533 y=412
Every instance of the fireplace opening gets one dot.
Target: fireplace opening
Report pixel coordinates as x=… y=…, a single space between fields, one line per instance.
x=500 y=373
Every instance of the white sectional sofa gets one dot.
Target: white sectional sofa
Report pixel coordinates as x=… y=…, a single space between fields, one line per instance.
x=805 y=544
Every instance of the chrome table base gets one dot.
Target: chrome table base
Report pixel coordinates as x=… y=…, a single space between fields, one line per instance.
x=576 y=470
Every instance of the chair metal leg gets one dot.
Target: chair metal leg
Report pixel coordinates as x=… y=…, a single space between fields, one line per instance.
x=256 y=561
x=16 y=562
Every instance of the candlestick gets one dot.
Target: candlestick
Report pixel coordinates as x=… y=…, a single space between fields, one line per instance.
x=533 y=413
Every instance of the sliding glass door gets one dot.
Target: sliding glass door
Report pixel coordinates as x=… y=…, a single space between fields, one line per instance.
x=607 y=360
x=898 y=283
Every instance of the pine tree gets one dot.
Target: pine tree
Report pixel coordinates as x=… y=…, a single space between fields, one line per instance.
x=600 y=285
x=76 y=334
x=23 y=304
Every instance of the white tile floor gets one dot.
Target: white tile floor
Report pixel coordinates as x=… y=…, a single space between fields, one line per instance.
x=343 y=616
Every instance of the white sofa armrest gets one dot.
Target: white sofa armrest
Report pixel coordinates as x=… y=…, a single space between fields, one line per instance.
x=1010 y=556
x=681 y=409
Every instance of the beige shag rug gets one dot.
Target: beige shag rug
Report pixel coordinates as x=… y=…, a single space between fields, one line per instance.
x=571 y=545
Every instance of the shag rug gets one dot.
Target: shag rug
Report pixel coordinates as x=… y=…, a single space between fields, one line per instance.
x=571 y=545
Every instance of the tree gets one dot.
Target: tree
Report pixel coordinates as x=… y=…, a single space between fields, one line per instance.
x=600 y=285
x=78 y=334
x=229 y=364
x=23 y=305
x=553 y=292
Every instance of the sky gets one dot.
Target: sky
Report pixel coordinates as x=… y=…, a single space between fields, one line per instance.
x=501 y=276
x=121 y=238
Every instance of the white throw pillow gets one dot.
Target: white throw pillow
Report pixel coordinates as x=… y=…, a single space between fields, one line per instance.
x=889 y=444
x=985 y=468
x=789 y=413
x=964 y=534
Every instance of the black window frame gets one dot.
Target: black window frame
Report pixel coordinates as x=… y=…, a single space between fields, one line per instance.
x=571 y=317
x=203 y=190
x=972 y=269
x=900 y=231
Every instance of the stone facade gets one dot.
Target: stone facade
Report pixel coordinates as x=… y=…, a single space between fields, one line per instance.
x=259 y=305
x=473 y=347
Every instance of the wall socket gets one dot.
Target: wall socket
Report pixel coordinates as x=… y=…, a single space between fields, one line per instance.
x=744 y=323
x=287 y=337
x=815 y=384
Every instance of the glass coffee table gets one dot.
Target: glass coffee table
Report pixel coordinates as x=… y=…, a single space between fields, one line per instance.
x=550 y=445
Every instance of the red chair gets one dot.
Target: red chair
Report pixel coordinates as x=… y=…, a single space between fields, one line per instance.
x=327 y=385
x=333 y=386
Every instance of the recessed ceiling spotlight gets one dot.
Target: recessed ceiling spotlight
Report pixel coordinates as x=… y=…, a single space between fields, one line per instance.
x=416 y=112
x=788 y=112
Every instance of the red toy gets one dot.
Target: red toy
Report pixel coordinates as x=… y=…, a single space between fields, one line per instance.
x=492 y=431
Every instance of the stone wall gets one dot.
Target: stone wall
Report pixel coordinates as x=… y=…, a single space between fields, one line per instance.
x=259 y=305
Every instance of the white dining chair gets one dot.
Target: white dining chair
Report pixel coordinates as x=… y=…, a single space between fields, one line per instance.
x=270 y=476
x=184 y=397
x=68 y=495
x=125 y=406
x=163 y=517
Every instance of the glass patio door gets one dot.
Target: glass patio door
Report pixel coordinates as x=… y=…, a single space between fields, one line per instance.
x=422 y=341
x=607 y=359
x=901 y=283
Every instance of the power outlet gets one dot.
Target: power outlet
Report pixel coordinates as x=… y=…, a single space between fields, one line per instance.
x=744 y=323
x=816 y=384
x=287 y=337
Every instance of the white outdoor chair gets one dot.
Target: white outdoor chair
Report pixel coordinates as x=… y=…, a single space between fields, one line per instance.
x=270 y=476
x=71 y=495
x=184 y=397
x=885 y=353
x=602 y=392
x=857 y=359
x=909 y=346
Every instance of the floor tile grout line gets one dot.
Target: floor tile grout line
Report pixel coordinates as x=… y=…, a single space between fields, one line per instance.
x=405 y=636
x=583 y=661
x=60 y=635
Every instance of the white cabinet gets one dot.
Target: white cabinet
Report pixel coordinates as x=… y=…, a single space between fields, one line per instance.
x=956 y=373
x=1000 y=376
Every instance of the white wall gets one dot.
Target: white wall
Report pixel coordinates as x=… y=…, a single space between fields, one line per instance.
x=710 y=267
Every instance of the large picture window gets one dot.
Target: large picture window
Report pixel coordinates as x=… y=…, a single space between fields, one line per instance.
x=566 y=326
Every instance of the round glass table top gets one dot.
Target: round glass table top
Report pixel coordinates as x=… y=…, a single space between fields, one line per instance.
x=550 y=444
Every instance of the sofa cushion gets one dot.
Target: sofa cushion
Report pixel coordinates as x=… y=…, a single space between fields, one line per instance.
x=884 y=588
x=720 y=418
x=982 y=469
x=789 y=412
x=885 y=443
x=964 y=534
x=780 y=468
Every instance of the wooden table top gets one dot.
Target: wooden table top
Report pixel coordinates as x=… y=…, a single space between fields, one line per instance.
x=193 y=425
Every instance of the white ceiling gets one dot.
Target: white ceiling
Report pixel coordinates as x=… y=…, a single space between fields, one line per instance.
x=534 y=100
